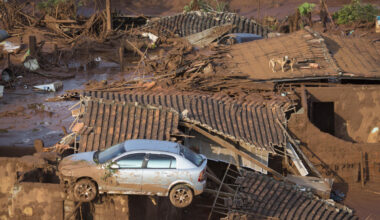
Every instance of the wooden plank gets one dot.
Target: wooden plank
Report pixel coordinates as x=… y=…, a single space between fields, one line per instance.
x=109 y=18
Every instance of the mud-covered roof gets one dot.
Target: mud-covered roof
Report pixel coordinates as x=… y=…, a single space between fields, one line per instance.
x=253 y=58
x=250 y=125
x=355 y=56
x=336 y=56
x=107 y=123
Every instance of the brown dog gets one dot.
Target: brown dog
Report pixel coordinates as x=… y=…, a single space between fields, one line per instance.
x=282 y=62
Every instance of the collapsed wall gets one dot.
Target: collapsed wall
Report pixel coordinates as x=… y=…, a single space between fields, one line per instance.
x=334 y=157
x=27 y=200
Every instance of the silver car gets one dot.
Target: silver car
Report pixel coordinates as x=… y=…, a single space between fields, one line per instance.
x=147 y=167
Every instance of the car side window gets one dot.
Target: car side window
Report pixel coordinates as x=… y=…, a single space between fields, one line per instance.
x=131 y=161
x=161 y=161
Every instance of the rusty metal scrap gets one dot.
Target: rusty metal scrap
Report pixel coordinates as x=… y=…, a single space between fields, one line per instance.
x=263 y=196
x=107 y=123
x=250 y=125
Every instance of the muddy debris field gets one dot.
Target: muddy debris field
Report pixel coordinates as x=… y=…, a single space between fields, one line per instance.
x=281 y=98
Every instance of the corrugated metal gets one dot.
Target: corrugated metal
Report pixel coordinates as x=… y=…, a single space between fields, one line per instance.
x=107 y=123
x=261 y=196
x=251 y=125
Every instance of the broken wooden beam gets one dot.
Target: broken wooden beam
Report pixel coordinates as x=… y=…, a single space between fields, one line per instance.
x=32 y=45
x=121 y=56
x=229 y=146
x=211 y=175
x=109 y=18
x=225 y=194
x=137 y=50
x=68 y=21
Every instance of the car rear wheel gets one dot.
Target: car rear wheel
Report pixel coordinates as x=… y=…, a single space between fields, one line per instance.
x=181 y=196
x=85 y=190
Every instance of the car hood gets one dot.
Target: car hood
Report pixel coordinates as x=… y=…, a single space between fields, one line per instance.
x=77 y=160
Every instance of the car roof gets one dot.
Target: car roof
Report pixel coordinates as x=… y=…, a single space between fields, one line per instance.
x=151 y=145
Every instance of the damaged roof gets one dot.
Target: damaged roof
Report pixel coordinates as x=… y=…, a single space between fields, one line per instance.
x=107 y=123
x=336 y=56
x=253 y=58
x=185 y=24
x=250 y=125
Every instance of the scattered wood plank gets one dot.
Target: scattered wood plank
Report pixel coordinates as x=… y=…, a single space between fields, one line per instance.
x=205 y=37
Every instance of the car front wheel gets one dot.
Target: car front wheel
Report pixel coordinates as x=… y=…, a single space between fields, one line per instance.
x=181 y=196
x=85 y=190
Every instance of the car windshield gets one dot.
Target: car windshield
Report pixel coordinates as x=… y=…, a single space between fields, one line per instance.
x=190 y=155
x=110 y=153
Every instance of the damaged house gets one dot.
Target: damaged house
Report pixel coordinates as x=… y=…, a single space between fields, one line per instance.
x=111 y=118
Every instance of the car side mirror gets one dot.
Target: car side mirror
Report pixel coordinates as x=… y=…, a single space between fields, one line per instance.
x=114 y=166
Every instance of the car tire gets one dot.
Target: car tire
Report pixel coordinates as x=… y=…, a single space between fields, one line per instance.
x=181 y=196
x=85 y=190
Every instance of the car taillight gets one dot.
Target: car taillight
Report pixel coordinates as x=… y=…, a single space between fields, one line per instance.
x=202 y=175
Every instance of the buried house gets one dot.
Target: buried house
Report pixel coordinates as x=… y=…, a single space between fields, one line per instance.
x=240 y=134
x=202 y=122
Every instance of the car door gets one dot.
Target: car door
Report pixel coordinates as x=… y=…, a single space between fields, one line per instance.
x=129 y=174
x=159 y=173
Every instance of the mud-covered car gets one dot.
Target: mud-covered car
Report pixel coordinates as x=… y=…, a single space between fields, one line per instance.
x=147 y=167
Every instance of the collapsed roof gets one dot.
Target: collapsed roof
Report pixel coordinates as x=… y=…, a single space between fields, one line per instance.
x=253 y=126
